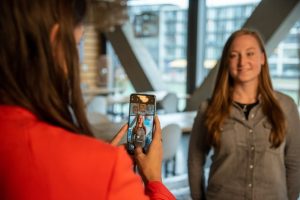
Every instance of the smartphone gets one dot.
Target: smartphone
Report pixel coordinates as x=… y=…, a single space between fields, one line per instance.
x=142 y=108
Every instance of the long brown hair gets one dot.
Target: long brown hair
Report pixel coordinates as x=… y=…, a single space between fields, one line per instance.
x=219 y=107
x=30 y=75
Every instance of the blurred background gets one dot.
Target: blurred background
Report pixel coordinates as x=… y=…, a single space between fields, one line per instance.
x=171 y=49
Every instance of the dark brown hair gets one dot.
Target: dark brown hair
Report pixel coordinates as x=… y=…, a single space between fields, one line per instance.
x=30 y=74
x=219 y=107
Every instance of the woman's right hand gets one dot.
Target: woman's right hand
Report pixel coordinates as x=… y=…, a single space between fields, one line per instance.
x=150 y=163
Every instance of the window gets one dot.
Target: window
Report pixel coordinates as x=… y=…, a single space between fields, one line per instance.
x=162 y=28
x=146 y=24
x=211 y=14
x=286 y=64
x=223 y=17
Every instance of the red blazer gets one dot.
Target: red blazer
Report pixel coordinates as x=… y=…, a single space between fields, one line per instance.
x=39 y=161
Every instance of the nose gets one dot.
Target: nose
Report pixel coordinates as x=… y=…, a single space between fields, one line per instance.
x=242 y=60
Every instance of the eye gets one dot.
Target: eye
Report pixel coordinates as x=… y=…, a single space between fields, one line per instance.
x=251 y=53
x=232 y=55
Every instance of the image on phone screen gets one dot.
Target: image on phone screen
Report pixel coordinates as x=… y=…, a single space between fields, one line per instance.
x=140 y=121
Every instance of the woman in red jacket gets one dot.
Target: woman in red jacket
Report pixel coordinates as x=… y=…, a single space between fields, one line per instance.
x=44 y=150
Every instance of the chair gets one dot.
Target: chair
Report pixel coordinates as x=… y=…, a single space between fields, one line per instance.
x=171 y=135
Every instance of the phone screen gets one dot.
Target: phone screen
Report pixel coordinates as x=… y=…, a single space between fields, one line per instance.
x=141 y=119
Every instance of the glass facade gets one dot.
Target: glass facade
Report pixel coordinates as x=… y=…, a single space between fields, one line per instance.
x=168 y=45
x=285 y=64
x=222 y=20
x=162 y=28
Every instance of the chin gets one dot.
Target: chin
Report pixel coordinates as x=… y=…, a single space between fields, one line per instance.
x=246 y=80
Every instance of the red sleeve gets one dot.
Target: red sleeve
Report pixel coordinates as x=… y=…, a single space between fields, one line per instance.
x=125 y=184
x=156 y=190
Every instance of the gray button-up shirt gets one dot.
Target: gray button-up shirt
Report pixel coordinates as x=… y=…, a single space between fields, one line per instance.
x=246 y=167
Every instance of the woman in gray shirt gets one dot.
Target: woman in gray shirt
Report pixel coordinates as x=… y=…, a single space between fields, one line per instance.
x=252 y=131
x=139 y=132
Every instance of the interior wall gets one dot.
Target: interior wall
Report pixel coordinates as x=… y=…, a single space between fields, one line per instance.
x=89 y=65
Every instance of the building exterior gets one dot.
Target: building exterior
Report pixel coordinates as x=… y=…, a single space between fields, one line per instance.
x=163 y=30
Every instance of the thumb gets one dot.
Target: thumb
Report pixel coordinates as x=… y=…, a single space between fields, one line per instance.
x=138 y=151
x=157 y=132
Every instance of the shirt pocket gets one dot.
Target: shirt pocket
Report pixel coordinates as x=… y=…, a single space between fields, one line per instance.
x=228 y=132
x=266 y=130
x=240 y=135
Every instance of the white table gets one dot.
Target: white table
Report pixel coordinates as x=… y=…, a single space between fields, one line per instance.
x=184 y=119
x=90 y=93
x=108 y=130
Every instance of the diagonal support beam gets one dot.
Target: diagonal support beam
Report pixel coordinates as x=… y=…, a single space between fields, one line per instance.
x=138 y=64
x=273 y=19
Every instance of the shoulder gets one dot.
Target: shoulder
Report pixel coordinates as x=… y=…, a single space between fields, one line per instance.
x=45 y=135
x=66 y=160
x=286 y=102
x=198 y=120
x=54 y=147
x=80 y=158
x=201 y=110
x=203 y=106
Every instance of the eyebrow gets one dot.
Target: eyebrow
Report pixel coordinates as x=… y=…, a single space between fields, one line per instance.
x=250 y=48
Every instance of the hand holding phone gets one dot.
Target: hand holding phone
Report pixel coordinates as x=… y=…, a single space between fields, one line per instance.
x=149 y=163
x=140 y=121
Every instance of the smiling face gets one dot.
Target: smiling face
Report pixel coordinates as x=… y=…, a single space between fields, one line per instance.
x=245 y=59
x=140 y=119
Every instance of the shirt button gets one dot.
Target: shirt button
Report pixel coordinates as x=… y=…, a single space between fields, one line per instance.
x=250 y=185
x=252 y=148
x=252 y=116
x=251 y=166
x=250 y=131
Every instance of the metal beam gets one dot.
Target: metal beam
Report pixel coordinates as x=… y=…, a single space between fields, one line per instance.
x=273 y=19
x=195 y=42
x=138 y=64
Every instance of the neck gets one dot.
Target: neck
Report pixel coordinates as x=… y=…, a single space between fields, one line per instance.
x=245 y=94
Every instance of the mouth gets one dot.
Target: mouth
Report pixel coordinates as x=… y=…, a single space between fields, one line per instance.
x=243 y=70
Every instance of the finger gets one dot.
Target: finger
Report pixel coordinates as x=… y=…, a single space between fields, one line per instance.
x=138 y=151
x=157 y=133
x=115 y=141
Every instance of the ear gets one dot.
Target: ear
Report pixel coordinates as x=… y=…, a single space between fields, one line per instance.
x=58 y=54
x=53 y=33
